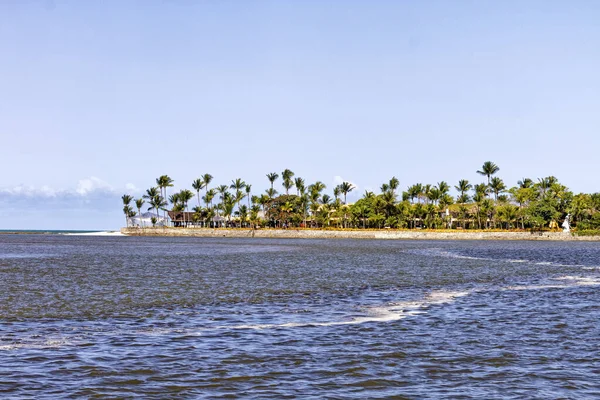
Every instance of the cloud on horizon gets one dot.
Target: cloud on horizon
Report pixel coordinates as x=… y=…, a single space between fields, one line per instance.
x=89 y=193
x=91 y=203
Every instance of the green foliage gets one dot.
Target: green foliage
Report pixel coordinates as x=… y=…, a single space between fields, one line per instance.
x=588 y=232
x=531 y=204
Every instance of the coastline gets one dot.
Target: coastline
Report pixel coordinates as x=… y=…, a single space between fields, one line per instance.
x=354 y=234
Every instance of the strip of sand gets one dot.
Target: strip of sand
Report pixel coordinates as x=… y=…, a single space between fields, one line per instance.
x=354 y=234
x=102 y=233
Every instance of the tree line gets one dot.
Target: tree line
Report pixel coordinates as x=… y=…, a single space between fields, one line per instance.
x=534 y=205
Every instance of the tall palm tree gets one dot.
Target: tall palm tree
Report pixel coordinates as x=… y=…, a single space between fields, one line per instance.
x=316 y=188
x=393 y=185
x=287 y=176
x=237 y=184
x=337 y=191
x=272 y=177
x=488 y=169
x=463 y=187
x=157 y=202
x=347 y=187
x=300 y=186
x=150 y=193
x=197 y=185
x=185 y=196
x=209 y=196
x=126 y=207
x=239 y=196
x=481 y=189
x=222 y=190
x=497 y=185
x=139 y=203
x=248 y=193
x=443 y=187
x=163 y=182
x=206 y=180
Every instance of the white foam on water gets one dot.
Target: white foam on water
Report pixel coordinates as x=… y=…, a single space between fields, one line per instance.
x=37 y=345
x=580 y=280
x=438 y=252
x=100 y=233
x=384 y=313
x=560 y=283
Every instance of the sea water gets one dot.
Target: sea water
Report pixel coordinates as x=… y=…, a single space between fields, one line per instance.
x=121 y=317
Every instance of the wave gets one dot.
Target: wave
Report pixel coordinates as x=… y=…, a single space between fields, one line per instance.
x=562 y=282
x=384 y=313
x=439 y=252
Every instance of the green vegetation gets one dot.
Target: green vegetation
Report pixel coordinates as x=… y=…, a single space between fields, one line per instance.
x=530 y=205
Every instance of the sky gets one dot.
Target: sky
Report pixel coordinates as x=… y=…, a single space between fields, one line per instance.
x=98 y=99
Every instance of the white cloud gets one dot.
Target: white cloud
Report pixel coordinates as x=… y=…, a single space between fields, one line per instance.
x=92 y=184
x=86 y=187
x=29 y=191
x=130 y=187
x=48 y=191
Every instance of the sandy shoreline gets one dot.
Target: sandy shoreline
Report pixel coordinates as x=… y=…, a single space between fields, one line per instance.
x=358 y=234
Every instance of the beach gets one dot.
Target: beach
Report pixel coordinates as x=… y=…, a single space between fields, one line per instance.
x=356 y=234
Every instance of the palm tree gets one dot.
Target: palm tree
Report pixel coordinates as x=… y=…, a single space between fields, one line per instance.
x=157 y=202
x=426 y=193
x=271 y=193
x=139 y=203
x=197 y=185
x=287 y=176
x=126 y=208
x=393 y=185
x=337 y=191
x=488 y=169
x=463 y=187
x=272 y=177
x=347 y=187
x=443 y=187
x=243 y=214
x=209 y=196
x=263 y=200
x=248 y=193
x=185 y=196
x=497 y=185
x=300 y=186
x=525 y=183
x=239 y=196
x=206 y=180
x=222 y=190
x=163 y=182
x=316 y=188
x=238 y=185
x=227 y=205
x=151 y=193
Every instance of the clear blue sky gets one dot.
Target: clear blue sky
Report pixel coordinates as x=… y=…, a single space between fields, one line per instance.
x=99 y=98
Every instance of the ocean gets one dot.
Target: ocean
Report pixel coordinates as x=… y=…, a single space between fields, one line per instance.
x=151 y=317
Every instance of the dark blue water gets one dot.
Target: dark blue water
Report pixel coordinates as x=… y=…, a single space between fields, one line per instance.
x=120 y=317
